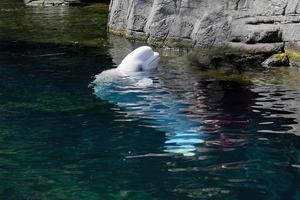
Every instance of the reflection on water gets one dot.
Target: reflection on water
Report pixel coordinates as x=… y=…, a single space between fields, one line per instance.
x=60 y=141
x=77 y=26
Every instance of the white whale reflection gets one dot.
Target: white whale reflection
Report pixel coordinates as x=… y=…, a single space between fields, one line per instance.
x=141 y=96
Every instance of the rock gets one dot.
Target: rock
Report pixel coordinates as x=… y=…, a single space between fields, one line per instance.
x=258 y=26
x=224 y=58
x=293 y=46
x=293 y=51
x=277 y=60
x=250 y=34
x=267 y=48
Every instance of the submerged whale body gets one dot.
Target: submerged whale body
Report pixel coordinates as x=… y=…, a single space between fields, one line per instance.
x=138 y=93
x=141 y=59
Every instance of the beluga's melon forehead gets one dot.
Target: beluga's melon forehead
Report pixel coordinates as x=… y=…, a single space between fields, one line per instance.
x=142 y=53
x=142 y=58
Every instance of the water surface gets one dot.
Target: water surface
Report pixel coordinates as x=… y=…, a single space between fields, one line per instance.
x=59 y=140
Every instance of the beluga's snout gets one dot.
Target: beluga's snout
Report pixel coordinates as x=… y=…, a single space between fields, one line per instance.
x=141 y=59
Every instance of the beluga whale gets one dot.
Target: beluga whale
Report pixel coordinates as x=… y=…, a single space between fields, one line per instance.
x=141 y=59
x=136 y=89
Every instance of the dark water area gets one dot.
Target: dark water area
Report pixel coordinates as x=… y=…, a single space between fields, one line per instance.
x=59 y=140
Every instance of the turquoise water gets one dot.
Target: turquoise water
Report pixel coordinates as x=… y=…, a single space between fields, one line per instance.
x=62 y=139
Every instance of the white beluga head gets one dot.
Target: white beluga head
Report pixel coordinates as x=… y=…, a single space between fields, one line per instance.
x=141 y=59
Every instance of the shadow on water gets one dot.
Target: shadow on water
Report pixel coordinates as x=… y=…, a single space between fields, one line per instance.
x=59 y=141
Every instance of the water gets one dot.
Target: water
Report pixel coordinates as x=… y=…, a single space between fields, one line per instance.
x=61 y=140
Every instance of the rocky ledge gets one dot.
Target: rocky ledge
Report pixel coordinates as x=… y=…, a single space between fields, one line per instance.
x=256 y=26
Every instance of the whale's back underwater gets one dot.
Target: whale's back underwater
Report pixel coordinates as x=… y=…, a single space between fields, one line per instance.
x=141 y=59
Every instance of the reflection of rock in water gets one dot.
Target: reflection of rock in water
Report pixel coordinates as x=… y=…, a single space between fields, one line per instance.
x=251 y=110
x=279 y=110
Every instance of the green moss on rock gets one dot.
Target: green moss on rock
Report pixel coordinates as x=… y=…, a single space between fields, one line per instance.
x=277 y=60
x=295 y=56
x=131 y=36
x=174 y=43
x=279 y=56
x=179 y=43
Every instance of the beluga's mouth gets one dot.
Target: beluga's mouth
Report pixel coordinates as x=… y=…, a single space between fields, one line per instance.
x=152 y=62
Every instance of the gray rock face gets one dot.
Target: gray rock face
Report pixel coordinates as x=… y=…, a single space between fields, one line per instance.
x=250 y=24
